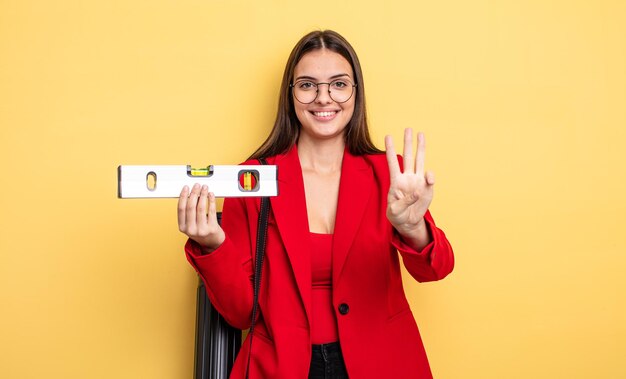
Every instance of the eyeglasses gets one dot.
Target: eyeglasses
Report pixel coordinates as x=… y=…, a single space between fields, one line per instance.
x=339 y=90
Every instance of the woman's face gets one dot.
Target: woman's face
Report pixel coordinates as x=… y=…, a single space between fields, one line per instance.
x=324 y=118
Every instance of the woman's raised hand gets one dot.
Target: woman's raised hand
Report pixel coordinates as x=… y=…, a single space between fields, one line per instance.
x=194 y=220
x=411 y=191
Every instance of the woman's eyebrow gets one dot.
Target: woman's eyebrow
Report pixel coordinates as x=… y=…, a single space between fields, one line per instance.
x=306 y=77
x=339 y=76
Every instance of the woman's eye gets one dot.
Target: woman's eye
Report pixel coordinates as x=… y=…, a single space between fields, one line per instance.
x=306 y=85
x=340 y=84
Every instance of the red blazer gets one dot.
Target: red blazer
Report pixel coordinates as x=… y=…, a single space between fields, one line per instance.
x=378 y=334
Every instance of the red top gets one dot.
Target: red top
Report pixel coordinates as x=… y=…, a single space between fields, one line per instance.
x=324 y=321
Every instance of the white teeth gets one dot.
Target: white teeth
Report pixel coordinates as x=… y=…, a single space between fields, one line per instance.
x=324 y=114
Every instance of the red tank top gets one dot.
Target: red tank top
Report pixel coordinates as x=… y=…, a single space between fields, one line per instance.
x=323 y=322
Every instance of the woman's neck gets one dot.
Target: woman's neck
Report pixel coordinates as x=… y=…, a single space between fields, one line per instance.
x=323 y=156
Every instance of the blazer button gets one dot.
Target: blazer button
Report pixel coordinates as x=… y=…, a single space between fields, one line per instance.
x=344 y=308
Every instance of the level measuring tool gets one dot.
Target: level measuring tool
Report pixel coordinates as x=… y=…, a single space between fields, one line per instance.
x=223 y=180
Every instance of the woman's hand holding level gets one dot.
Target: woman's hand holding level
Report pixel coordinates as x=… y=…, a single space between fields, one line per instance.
x=194 y=220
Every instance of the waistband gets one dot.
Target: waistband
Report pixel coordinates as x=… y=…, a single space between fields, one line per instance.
x=328 y=347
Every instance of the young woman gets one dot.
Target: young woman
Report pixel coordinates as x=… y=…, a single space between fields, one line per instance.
x=331 y=301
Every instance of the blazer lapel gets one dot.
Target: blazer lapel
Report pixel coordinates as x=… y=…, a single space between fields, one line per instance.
x=354 y=190
x=289 y=209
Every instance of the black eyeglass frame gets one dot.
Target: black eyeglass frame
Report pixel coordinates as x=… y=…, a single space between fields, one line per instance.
x=317 y=90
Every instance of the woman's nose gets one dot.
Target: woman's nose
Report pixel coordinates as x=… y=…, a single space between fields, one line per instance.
x=323 y=94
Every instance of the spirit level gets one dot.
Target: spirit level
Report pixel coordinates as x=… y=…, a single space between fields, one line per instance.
x=223 y=181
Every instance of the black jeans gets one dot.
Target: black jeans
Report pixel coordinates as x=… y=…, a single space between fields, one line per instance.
x=327 y=362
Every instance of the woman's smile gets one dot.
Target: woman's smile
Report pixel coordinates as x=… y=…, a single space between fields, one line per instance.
x=324 y=115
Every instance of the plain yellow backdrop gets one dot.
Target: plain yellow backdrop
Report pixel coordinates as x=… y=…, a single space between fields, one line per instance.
x=523 y=104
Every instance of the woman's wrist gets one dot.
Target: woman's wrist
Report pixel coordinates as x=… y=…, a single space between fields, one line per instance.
x=208 y=248
x=417 y=235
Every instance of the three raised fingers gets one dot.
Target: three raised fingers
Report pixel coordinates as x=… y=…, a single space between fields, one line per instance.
x=411 y=164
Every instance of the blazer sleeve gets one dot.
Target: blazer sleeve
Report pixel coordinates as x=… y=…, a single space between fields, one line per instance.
x=434 y=262
x=227 y=271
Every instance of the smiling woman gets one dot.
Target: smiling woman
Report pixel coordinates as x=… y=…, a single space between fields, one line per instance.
x=332 y=293
x=323 y=113
x=287 y=125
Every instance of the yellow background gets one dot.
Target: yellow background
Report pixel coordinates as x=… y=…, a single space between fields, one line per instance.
x=524 y=108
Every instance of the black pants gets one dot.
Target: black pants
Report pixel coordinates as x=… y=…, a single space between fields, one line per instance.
x=327 y=362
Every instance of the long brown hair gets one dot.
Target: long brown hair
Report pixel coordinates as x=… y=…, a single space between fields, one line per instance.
x=287 y=127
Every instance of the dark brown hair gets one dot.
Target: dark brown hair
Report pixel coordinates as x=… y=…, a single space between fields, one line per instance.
x=287 y=127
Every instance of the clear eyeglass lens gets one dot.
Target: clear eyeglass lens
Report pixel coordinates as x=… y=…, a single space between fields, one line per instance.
x=339 y=90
